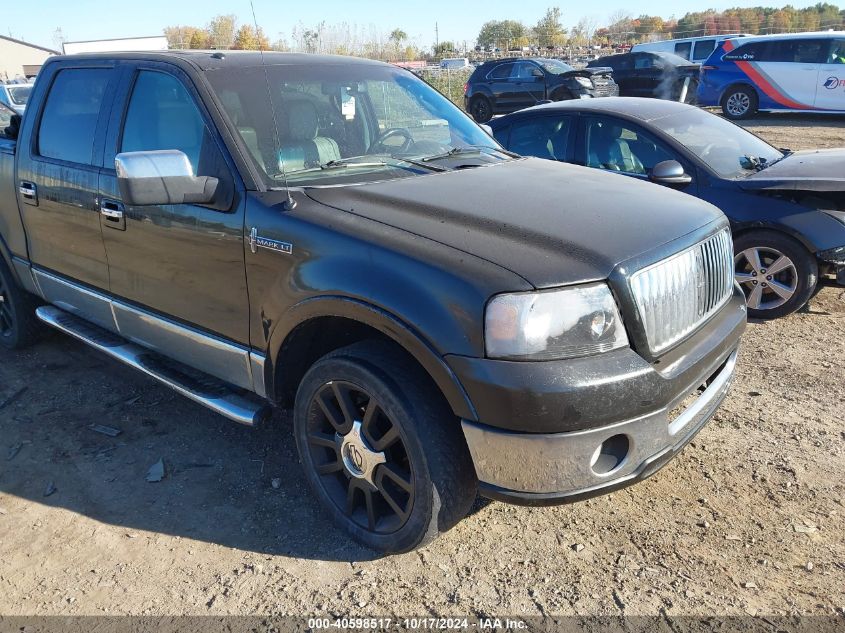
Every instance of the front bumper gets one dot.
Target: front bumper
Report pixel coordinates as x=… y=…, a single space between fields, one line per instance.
x=545 y=469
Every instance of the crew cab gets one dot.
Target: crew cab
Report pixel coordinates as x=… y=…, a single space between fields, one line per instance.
x=333 y=236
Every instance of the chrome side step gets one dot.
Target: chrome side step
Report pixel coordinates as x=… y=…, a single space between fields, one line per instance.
x=228 y=401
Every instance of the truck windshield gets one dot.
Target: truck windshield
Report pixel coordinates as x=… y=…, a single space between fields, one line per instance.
x=19 y=94
x=727 y=149
x=374 y=121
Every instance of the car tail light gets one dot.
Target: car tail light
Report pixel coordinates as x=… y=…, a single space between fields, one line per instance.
x=466 y=87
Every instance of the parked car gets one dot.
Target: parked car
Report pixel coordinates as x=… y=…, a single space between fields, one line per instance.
x=15 y=96
x=658 y=75
x=802 y=72
x=454 y=63
x=507 y=85
x=787 y=209
x=694 y=49
x=334 y=236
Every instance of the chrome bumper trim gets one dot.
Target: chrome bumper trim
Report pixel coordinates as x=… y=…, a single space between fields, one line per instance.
x=562 y=463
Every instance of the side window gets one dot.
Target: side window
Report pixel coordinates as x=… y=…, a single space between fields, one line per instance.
x=682 y=49
x=5 y=118
x=70 y=116
x=502 y=134
x=702 y=49
x=643 y=62
x=837 y=52
x=619 y=146
x=542 y=136
x=502 y=71
x=163 y=115
x=524 y=71
x=797 y=51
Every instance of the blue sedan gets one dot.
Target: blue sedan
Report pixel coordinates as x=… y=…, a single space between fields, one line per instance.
x=787 y=209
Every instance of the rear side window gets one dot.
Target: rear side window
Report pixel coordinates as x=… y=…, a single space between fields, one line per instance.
x=797 y=51
x=683 y=49
x=544 y=137
x=70 y=116
x=703 y=49
x=503 y=71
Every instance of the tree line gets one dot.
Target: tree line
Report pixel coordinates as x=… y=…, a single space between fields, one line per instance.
x=549 y=32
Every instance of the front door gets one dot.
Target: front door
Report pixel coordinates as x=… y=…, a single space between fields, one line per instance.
x=830 y=87
x=176 y=271
x=791 y=68
x=57 y=183
x=529 y=88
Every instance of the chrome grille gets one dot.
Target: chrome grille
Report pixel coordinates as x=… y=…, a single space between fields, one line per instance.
x=677 y=295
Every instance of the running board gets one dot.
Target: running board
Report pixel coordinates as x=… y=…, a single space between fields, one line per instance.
x=231 y=402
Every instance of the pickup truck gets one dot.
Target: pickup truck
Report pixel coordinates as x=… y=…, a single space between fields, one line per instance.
x=333 y=236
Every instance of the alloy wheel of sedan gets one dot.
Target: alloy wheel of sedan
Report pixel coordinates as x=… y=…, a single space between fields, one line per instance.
x=767 y=276
x=360 y=457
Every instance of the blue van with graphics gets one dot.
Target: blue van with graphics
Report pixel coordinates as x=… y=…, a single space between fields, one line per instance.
x=802 y=72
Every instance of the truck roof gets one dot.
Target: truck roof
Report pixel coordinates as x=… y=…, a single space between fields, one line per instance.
x=211 y=59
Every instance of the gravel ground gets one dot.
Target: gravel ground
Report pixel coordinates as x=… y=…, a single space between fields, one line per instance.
x=749 y=519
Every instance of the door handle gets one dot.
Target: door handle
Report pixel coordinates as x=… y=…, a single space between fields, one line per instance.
x=29 y=192
x=113 y=214
x=111 y=210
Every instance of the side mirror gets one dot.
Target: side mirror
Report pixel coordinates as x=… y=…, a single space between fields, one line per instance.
x=161 y=177
x=671 y=173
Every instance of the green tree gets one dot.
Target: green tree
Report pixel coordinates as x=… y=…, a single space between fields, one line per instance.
x=199 y=39
x=245 y=39
x=444 y=49
x=501 y=33
x=221 y=31
x=549 y=30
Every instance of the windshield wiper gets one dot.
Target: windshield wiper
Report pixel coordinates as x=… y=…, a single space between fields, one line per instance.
x=417 y=163
x=469 y=150
x=347 y=162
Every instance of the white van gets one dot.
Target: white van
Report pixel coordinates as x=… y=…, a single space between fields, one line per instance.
x=454 y=63
x=695 y=49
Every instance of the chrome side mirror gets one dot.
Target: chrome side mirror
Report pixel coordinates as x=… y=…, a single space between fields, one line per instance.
x=161 y=177
x=671 y=173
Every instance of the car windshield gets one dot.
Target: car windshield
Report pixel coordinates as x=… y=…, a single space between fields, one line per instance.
x=727 y=149
x=555 y=66
x=346 y=122
x=19 y=94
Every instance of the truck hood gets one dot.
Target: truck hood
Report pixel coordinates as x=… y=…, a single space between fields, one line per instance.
x=552 y=224
x=810 y=170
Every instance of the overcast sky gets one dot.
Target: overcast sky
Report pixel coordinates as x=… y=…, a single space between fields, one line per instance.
x=458 y=20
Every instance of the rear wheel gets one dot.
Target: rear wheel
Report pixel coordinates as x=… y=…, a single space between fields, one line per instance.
x=777 y=274
x=481 y=109
x=18 y=325
x=739 y=102
x=381 y=449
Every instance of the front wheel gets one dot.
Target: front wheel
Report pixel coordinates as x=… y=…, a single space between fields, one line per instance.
x=381 y=449
x=777 y=274
x=18 y=325
x=739 y=102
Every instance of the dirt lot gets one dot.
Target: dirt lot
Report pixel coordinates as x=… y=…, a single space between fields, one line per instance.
x=748 y=520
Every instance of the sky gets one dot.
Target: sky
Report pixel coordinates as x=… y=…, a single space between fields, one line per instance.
x=35 y=21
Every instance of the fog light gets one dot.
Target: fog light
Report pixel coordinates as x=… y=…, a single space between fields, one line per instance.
x=610 y=454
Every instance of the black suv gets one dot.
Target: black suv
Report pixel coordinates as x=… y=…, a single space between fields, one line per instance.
x=507 y=85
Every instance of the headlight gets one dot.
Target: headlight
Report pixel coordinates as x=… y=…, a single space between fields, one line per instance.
x=553 y=324
x=584 y=81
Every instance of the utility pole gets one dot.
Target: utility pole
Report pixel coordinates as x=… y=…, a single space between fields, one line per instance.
x=436 y=38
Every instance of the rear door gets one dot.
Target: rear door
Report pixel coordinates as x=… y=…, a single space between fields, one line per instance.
x=57 y=181
x=830 y=87
x=499 y=79
x=176 y=271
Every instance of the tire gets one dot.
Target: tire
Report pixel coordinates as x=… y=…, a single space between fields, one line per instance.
x=19 y=326
x=481 y=109
x=773 y=295
x=739 y=102
x=410 y=454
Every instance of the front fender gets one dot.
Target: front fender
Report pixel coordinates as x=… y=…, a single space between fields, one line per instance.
x=401 y=332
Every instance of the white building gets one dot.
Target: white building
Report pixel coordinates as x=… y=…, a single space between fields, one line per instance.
x=19 y=58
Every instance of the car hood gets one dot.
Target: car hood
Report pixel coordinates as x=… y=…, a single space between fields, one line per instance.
x=811 y=170
x=588 y=71
x=551 y=223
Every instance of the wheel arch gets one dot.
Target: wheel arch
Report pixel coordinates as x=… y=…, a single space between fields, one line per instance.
x=773 y=227
x=321 y=325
